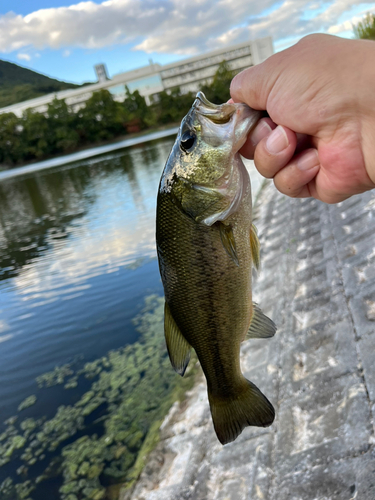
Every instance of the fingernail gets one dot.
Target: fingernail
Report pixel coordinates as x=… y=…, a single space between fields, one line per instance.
x=308 y=160
x=260 y=132
x=277 y=141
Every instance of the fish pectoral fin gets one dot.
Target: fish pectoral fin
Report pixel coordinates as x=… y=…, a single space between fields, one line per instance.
x=255 y=246
x=201 y=203
x=228 y=241
x=261 y=327
x=247 y=406
x=178 y=347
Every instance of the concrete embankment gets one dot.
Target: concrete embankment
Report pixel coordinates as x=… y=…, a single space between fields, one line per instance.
x=317 y=282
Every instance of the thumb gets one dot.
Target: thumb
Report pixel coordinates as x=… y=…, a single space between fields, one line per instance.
x=253 y=85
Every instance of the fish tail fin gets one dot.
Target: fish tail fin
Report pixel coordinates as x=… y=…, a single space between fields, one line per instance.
x=231 y=415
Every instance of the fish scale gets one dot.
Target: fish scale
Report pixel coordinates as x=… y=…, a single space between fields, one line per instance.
x=203 y=292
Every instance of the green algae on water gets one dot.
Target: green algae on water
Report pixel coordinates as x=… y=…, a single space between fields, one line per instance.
x=31 y=400
x=58 y=375
x=132 y=389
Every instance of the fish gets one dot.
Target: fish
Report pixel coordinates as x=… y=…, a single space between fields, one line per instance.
x=207 y=246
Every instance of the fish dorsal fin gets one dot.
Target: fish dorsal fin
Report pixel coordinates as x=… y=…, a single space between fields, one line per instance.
x=255 y=246
x=261 y=327
x=178 y=347
x=228 y=241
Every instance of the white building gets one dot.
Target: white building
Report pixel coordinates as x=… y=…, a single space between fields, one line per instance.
x=191 y=73
x=146 y=79
x=188 y=74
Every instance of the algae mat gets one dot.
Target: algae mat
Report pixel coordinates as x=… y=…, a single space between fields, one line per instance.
x=100 y=441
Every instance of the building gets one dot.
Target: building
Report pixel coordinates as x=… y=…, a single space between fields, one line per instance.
x=101 y=72
x=146 y=79
x=188 y=74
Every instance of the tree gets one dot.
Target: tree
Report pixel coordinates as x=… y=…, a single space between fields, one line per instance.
x=365 y=29
x=101 y=118
x=11 y=150
x=36 y=135
x=63 y=124
x=218 y=90
x=135 y=108
x=172 y=107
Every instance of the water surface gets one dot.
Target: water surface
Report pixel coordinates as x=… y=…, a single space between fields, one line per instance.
x=77 y=265
x=77 y=255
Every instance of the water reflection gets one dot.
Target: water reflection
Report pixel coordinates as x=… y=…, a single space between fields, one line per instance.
x=77 y=259
x=75 y=249
x=48 y=213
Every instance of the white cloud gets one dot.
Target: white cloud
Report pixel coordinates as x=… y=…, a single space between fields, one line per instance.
x=172 y=26
x=86 y=24
x=24 y=57
x=348 y=24
x=292 y=19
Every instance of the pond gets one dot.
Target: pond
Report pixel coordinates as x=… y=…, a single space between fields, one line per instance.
x=84 y=375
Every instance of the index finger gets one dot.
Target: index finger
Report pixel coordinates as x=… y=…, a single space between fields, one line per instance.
x=253 y=85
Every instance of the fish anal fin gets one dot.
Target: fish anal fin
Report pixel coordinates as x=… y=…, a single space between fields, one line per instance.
x=255 y=246
x=178 y=347
x=228 y=241
x=230 y=415
x=261 y=327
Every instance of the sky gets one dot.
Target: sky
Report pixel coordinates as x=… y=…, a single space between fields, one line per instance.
x=64 y=39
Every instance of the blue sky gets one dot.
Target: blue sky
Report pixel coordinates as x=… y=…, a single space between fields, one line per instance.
x=66 y=38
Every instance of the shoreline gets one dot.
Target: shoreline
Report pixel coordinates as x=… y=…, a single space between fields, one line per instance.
x=87 y=153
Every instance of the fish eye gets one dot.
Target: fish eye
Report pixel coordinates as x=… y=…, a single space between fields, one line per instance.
x=187 y=141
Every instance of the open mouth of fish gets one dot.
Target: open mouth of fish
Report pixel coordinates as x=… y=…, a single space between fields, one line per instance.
x=217 y=113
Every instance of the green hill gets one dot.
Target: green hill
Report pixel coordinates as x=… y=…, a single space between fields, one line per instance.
x=19 y=84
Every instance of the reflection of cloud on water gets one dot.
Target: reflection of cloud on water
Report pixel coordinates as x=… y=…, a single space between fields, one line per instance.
x=92 y=254
x=6 y=337
x=118 y=230
x=3 y=328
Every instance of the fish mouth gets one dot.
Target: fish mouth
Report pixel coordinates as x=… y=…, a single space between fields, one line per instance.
x=217 y=113
x=219 y=123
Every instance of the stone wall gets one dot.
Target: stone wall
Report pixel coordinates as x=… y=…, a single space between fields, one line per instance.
x=317 y=282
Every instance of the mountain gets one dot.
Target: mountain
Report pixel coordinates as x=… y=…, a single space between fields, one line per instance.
x=19 y=84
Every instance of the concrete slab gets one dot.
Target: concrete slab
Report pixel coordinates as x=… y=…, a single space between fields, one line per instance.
x=317 y=282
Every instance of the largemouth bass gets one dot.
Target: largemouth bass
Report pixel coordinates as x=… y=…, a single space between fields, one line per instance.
x=206 y=246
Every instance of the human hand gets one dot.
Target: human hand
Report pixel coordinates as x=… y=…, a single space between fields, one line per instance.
x=320 y=138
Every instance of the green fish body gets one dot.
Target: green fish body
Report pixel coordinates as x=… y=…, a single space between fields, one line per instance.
x=206 y=245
